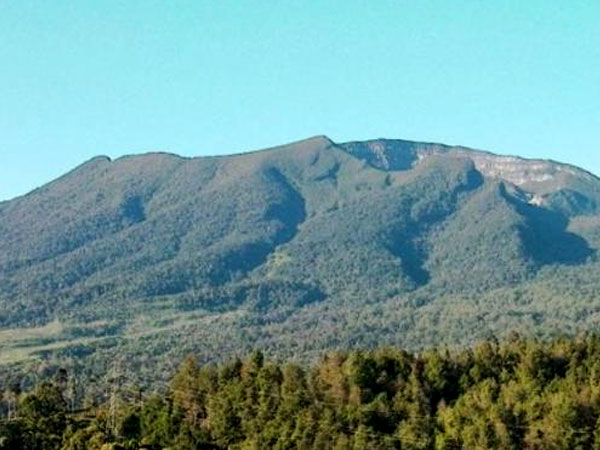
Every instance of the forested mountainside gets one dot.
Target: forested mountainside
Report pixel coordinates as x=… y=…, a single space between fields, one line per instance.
x=519 y=394
x=296 y=249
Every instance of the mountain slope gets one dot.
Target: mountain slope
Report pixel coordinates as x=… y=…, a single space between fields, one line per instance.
x=261 y=247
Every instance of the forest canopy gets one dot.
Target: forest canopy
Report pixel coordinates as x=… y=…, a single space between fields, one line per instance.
x=517 y=394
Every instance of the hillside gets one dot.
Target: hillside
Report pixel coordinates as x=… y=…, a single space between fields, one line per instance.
x=300 y=248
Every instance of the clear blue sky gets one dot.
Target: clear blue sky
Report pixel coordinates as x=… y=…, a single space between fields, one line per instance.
x=82 y=78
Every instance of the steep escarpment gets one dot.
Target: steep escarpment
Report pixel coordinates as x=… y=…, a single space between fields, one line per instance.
x=545 y=183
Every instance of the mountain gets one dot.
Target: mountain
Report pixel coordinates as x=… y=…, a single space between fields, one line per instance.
x=296 y=249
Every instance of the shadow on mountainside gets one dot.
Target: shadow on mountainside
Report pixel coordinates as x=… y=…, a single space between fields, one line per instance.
x=546 y=238
x=287 y=215
x=408 y=242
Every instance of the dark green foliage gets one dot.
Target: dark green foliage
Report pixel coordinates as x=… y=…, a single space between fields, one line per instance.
x=41 y=421
x=521 y=394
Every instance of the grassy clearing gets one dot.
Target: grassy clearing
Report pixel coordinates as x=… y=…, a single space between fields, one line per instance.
x=17 y=345
x=14 y=335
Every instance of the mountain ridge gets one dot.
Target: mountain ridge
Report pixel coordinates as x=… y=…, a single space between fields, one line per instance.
x=257 y=248
x=477 y=151
x=344 y=146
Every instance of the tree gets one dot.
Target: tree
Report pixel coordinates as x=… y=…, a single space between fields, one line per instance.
x=44 y=417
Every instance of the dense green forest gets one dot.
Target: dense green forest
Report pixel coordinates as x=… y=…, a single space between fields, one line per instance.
x=518 y=394
x=295 y=250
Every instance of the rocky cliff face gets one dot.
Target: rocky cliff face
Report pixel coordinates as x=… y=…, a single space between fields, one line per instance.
x=542 y=182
